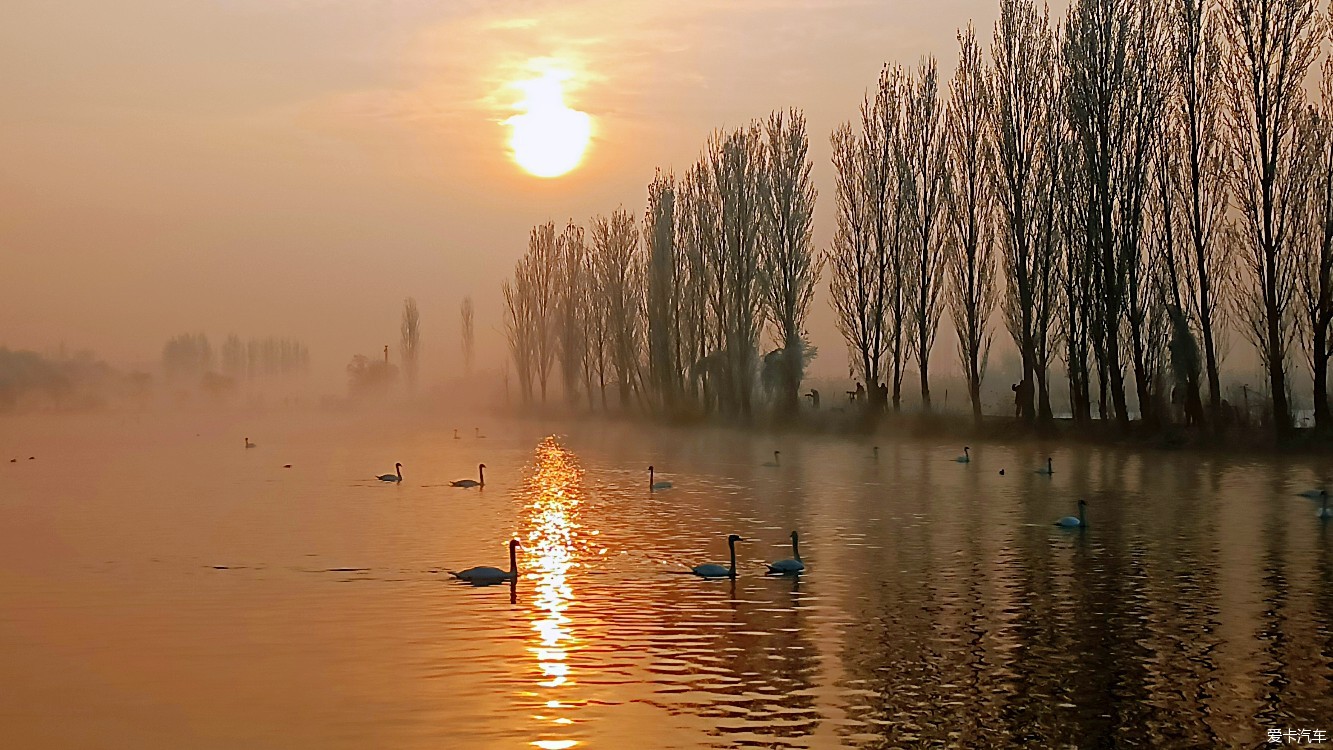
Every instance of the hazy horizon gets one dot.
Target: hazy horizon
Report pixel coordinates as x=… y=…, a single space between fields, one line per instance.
x=298 y=169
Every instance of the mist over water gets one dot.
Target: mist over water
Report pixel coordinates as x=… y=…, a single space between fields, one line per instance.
x=163 y=586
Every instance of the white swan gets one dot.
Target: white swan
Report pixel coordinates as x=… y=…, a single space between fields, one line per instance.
x=1049 y=468
x=1071 y=522
x=396 y=476
x=249 y=444
x=966 y=458
x=776 y=462
x=656 y=485
x=712 y=570
x=479 y=482
x=792 y=565
x=483 y=574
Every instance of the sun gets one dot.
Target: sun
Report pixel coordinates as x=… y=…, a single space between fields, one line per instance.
x=548 y=138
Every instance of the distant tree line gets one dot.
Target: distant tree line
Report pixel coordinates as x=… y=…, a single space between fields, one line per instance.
x=190 y=356
x=79 y=381
x=1122 y=187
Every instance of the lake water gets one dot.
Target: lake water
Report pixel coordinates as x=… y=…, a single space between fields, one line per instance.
x=163 y=587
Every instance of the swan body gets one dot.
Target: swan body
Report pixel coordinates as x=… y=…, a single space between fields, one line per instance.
x=1313 y=494
x=480 y=481
x=793 y=564
x=397 y=476
x=1049 y=469
x=712 y=570
x=966 y=458
x=1074 y=522
x=249 y=444
x=776 y=462
x=652 y=486
x=484 y=574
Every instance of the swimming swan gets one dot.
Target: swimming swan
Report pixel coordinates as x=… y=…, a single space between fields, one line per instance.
x=480 y=482
x=249 y=444
x=656 y=485
x=966 y=458
x=793 y=565
x=776 y=462
x=1312 y=494
x=711 y=570
x=397 y=476
x=1049 y=470
x=1070 y=522
x=484 y=574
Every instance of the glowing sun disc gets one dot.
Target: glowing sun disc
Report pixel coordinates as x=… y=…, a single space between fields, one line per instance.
x=548 y=138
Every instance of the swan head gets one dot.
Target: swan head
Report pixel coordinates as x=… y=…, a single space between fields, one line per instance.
x=794 y=536
x=397 y=466
x=650 y=470
x=481 y=466
x=734 y=538
x=1082 y=504
x=514 y=544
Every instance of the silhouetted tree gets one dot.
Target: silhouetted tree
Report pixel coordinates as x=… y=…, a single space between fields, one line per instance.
x=466 y=315
x=970 y=208
x=788 y=264
x=1024 y=70
x=411 y=341
x=926 y=191
x=571 y=301
x=1272 y=44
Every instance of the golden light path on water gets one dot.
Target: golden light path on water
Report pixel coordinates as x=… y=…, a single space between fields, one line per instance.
x=554 y=492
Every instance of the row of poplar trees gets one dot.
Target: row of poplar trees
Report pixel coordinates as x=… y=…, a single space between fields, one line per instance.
x=726 y=253
x=1122 y=187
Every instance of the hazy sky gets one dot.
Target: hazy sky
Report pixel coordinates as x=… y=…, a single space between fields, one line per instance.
x=298 y=167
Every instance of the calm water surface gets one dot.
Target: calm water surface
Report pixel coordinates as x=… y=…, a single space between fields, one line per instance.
x=162 y=586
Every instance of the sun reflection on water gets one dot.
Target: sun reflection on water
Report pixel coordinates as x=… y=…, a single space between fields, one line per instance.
x=553 y=492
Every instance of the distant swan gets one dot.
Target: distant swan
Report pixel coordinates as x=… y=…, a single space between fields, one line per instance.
x=249 y=444
x=484 y=574
x=876 y=452
x=1070 y=522
x=711 y=570
x=397 y=476
x=966 y=458
x=776 y=462
x=656 y=485
x=456 y=434
x=1049 y=469
x=477 y=431
x=793 y=565
x=480 y=481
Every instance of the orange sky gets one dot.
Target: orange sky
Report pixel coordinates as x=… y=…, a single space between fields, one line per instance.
x=298 y=167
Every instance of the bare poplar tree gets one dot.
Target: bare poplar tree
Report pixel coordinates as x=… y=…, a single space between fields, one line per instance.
x=469 y=335
x=664 y=272
x=928 y=182
x=971 y=213
x=411 y=341
x=571 y=306
x=521 y=329
x=618 y=273
x=788 y=265
x=1195 y=128
x=539 y=269
x=1023 y=52
x=858 y=277
x=1315 y=139
x=1272 y=44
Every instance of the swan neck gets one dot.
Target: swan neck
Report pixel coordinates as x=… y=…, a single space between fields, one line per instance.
x=796 y=549
x=513 y=561
x=732 y=545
